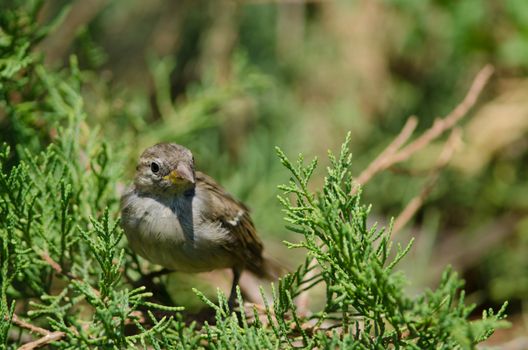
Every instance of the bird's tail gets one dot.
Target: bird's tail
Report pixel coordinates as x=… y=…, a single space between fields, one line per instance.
x=271 y=269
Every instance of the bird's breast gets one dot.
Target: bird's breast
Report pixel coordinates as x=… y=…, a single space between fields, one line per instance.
x=173 y=233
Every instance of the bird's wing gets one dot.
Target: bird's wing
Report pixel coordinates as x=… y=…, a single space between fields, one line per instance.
x=234 y=216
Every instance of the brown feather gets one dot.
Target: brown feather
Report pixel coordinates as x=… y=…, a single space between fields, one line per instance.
x=234 y=217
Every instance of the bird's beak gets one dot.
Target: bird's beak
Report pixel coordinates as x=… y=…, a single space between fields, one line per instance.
x=182 y=174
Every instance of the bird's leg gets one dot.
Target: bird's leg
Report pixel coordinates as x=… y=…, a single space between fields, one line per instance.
x=159 y=290
x=232 y=295
x=147 y=280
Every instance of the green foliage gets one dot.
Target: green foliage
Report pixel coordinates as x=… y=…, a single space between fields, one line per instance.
x=362 y=286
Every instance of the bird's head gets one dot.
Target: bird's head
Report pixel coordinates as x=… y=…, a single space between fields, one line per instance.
x=165 y=169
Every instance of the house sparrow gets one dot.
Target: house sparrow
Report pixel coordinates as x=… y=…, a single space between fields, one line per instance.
x=183 y=220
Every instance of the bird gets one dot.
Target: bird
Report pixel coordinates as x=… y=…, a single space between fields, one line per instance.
x=185 y=221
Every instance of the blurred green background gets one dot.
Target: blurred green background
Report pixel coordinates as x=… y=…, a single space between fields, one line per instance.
x=232 y=79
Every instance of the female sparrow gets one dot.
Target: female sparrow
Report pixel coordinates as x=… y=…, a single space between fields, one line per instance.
x=183 y=220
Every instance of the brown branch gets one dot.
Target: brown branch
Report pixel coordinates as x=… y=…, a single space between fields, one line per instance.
x=442 y=125
x=58 y=269
x=32 y=328
x=391 y=155
x=56 y=266
x=412 y=207
x=47 y=336
x=379 y=163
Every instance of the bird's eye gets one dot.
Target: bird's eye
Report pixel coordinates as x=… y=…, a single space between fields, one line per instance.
x=154 y=167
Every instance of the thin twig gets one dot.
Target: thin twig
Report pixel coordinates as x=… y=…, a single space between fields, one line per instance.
x=379 y=163
x=47 y=336
x=391 y=155
x=442 y=125
x=54 y=265
x=438 y=128
x=412 y=207
x=58 y=269
x=32 y=328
